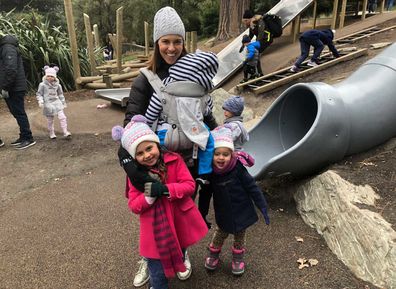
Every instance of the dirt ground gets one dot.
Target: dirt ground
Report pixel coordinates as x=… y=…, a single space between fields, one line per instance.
x=64 y=221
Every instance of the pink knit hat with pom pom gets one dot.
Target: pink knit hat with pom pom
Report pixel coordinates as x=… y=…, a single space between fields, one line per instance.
x=135 y=132
x=51 y=71
x=223 y=137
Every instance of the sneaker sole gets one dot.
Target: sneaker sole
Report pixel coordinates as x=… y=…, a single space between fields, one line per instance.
x=141 y=283
x=210 y=268
x=238 y=273
x=186 y=277
x=25 y=147
x=16 y=144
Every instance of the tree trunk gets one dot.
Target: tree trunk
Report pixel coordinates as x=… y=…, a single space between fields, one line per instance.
x=231 y=12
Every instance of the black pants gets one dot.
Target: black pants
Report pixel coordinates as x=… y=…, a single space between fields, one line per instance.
x=16 y=105
x=263 y=45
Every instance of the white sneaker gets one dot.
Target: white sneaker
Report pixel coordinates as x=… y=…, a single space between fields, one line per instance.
x=142 y=275
x=52 y=135
x=186 y=274
x=294 y=69
x=312 y=63
x=67 y=135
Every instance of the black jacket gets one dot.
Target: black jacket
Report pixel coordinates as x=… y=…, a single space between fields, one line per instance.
x=233 y=197
x=12 y=73
x=141 y=92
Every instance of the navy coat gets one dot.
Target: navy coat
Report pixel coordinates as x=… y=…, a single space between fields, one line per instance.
x=326 y=36
x=234 y=196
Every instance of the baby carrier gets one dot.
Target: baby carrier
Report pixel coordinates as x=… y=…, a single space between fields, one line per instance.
x=183 y=106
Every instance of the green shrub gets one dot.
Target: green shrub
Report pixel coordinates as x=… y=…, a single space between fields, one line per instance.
x=41 y=44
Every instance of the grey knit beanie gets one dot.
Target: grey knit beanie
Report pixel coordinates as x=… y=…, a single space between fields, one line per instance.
x=234 y=104
x=167 y=21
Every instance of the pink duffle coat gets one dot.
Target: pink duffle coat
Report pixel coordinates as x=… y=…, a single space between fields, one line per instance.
x=184 y=218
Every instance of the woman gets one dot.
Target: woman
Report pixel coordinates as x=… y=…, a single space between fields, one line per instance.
x=169 y=46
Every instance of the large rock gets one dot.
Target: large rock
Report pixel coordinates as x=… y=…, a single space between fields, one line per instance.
x=362 y=239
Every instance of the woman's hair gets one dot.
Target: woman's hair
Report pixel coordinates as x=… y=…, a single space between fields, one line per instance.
x=156 y=60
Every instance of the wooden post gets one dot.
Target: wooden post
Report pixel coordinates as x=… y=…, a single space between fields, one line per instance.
x=342 y=14
x=113 y=40
x=364 y=9
x=335 y=14
x=188 y=41
x=382 y=6
x=193 y=41
x=119 y=38
x=296 y=28
x=91 y=54
x=73 y=41
x=315 y=11
x=96 y=35
x=107 y=79
x=146 y=38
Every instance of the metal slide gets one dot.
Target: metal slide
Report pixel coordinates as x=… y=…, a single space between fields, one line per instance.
x=230 y=60
x=311 y=125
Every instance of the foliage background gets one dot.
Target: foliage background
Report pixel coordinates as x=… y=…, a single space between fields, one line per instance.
x=42 y=32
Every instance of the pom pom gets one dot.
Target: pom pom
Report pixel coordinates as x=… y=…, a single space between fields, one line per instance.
x=116 y=132
x=139 y=118
x=46 y=67
x=56 y=68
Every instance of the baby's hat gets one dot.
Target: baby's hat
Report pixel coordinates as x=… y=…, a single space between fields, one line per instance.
x=223 y=137
x=51 y=71
x=246 y=39
x=234 y=104
x=199 y=67
x=135 y=132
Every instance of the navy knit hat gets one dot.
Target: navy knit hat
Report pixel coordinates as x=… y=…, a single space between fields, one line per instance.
x=247 y=14
x=234 y=104
x=246 y=39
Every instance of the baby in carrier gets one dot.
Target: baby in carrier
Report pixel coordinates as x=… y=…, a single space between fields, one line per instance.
x=180 y=104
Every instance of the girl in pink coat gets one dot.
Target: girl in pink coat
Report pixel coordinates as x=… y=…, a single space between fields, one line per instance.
x=169 y=219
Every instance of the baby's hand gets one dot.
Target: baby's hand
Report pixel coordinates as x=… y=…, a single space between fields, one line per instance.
x=64 y=105
x=41 y=104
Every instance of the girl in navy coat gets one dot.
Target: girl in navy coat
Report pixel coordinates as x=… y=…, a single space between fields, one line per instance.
x=235 y=193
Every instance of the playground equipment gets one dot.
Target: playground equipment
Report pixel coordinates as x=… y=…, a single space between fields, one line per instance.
x=230 y=60
x=311 y=125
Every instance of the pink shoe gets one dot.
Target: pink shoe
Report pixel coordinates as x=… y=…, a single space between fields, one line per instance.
x=238 y=265
x=213 y=259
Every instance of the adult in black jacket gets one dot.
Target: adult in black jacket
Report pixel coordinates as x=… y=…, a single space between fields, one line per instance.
x=256 y=26
x=13 y=88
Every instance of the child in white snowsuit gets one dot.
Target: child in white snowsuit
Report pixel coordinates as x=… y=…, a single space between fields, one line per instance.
x=50 y=97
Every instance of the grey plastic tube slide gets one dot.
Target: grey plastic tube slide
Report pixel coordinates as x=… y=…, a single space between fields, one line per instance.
x=311 y=125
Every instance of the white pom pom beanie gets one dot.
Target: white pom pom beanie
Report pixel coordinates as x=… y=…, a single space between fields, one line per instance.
x=166 y=22
x=136 y=132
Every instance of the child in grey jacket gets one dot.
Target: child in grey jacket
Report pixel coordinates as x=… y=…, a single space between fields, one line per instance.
x=50 y=97
x=233 y=108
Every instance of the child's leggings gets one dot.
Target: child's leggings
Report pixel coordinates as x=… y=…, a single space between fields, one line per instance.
x=62 y=120
x=220 y=236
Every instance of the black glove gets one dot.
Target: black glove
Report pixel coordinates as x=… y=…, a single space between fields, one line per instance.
x=137 y=175
x=241 y=49
x=155 y=189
